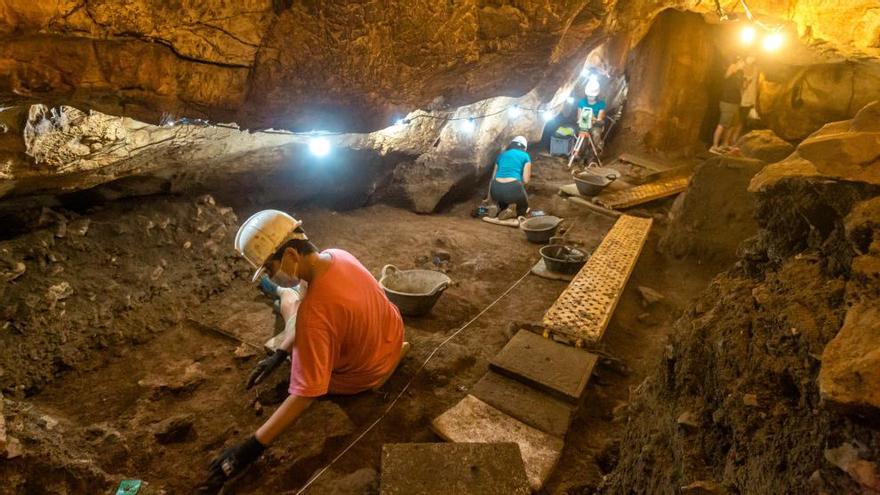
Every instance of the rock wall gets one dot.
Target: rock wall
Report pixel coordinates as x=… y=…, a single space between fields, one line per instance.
x=297 y=65
x=670 y=71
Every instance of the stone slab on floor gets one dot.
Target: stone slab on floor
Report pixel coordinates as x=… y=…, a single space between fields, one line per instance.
x=540 y=269
x=459 y=468
x=558 y=369
x=472 y=420
x=533 y=407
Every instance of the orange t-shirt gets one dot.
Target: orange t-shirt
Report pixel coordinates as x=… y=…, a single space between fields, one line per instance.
x=348 y=334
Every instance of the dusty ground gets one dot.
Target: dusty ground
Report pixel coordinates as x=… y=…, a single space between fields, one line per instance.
x=160 y=400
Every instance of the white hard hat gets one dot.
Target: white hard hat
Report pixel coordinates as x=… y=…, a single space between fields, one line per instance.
x=592 y=87
x=521 y=140
x=262 y=234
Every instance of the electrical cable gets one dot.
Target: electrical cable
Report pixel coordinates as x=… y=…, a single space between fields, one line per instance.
x=406 y=387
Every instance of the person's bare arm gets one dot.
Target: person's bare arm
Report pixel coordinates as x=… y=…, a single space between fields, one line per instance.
x=283 y=417
x=601 y=117
x=732 y=69
x=527 y=173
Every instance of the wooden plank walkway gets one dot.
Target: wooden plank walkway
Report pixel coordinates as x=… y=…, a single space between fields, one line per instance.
x=583 y=310
x=644 y=193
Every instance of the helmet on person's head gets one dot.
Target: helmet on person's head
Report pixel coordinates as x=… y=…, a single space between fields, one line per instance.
x=521 y=140
x=592 y=88
x=260 y=236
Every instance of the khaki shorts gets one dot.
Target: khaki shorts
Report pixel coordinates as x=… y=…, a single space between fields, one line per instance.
x=728 y=113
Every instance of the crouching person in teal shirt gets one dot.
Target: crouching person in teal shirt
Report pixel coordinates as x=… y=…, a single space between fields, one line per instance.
x=513 y=170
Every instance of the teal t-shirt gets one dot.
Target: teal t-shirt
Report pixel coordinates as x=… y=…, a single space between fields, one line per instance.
x=511 y=164
x=596 y=107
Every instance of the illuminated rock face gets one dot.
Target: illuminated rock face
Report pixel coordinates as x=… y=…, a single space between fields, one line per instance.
x=337 y=64
x=331 y=65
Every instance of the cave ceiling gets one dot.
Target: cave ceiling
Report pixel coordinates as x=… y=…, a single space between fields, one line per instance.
x=340 y=65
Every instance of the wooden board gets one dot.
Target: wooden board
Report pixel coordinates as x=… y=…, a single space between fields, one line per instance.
x=459 y=468
x=642 y=194
x=583 y=310
x=510 y=222
x=643 y=161
x=557 y=369
x=472 y=420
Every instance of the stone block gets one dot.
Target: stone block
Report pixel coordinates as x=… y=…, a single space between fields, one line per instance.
x=533 y=407
x=472 y=420
x=849 y=378
x=764 y=145
x=558 y=369
x=460 y=468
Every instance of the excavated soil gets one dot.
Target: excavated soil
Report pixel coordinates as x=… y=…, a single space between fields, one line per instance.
x=734 y=405
x=121 y=375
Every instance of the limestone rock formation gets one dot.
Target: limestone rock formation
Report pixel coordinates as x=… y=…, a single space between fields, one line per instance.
x=836 y=151
x=764 y=145
x=850 y=373
x=326 y=65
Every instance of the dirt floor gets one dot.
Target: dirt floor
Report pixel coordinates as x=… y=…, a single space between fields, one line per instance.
x=157 y=393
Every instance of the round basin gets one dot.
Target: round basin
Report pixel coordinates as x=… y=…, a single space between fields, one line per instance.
x=414 y=292
x=540 y=229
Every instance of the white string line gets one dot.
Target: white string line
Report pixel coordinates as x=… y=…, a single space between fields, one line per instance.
x=406 y=387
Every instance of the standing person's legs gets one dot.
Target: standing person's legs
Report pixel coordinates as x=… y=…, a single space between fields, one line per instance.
x=596 y=133
x=725 y=120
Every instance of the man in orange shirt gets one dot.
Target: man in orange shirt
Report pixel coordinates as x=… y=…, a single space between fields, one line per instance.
x=348 y=338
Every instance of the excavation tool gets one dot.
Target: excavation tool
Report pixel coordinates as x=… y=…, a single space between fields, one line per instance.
x=223 y=333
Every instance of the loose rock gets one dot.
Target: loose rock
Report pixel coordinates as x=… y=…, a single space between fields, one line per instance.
x=649 y=296
x=175 y=429
x=849 y=378
x=688 y=419
x=846 y=457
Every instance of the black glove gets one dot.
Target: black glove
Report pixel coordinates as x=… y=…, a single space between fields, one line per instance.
x=230 y=463
x=265 y=367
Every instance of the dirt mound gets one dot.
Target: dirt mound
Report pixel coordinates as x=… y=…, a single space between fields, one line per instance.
x=735 y=404
x=716 y=213
x=84 y=283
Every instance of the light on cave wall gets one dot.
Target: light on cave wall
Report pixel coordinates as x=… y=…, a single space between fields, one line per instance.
x=469 y=125
x=514 y=112
x=319 y=146
x=747 y=35
x=548 y=115
x=773 y=42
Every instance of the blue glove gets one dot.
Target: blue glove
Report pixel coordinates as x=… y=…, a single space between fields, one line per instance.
x=268 y=287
